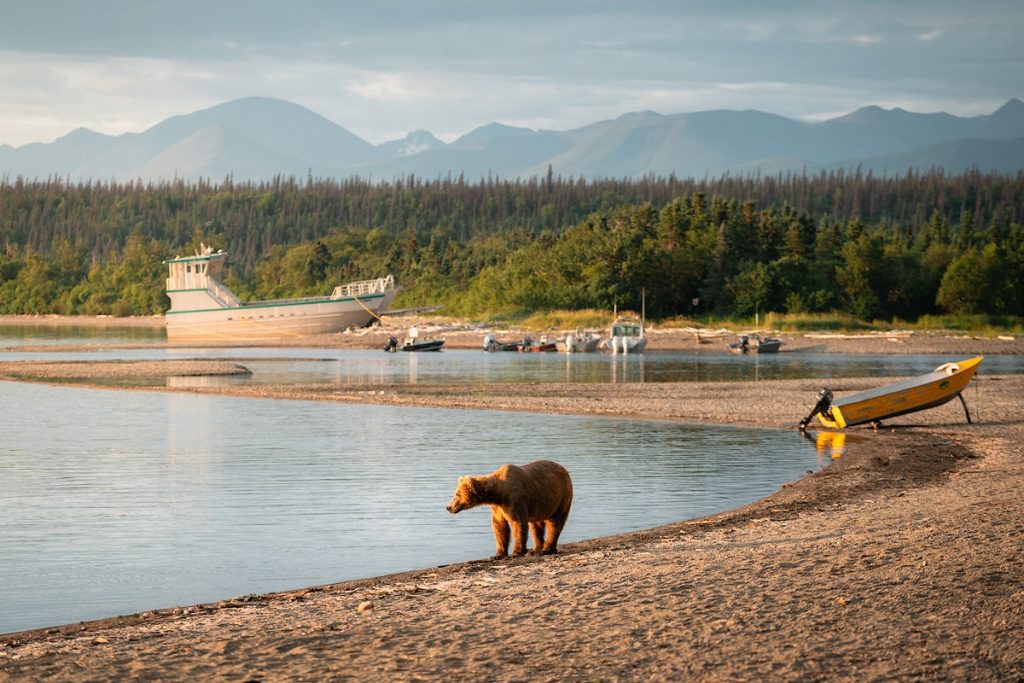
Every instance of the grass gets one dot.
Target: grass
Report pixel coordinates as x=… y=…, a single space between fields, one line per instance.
x=981 y=324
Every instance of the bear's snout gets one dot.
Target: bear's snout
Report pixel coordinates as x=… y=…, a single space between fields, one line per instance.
x=453 y=506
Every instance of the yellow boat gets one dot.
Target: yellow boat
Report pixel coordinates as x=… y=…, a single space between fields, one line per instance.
x=908 y=396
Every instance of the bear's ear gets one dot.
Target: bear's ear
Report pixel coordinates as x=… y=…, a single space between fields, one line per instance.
x=463 y=480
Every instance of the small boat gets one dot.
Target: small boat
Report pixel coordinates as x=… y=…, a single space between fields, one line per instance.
x=581 y=341
x=492 y=344
x=627 y=336
x=543 y=346
x=759 y=345
x=414 y=343
x=941 y=385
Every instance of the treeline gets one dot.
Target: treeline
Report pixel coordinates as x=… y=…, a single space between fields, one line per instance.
x=874 y=247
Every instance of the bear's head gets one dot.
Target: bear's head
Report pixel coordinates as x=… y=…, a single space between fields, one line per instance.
x=468 y=494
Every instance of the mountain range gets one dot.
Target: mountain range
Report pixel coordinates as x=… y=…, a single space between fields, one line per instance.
x=258 y=138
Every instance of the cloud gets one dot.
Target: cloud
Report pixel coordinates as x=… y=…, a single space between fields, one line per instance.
x=865 y=40
x=381 y=69
x=387 y=87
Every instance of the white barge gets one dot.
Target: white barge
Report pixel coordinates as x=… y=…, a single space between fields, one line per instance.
x=204 y=310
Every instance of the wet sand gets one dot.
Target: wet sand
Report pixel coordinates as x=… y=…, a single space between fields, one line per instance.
x=898 y=561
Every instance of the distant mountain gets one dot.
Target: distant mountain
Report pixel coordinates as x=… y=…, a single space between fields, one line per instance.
x=957 y=156
x=258 y=138
x=414 y=143
x=255 y=138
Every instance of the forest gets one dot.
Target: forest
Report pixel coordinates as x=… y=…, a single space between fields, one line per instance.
x=876 y=248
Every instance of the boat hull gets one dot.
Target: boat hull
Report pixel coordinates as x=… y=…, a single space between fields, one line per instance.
x=423 y=346
x=273 y=320
x=900 y=398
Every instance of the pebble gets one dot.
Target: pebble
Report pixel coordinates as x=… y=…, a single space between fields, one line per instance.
x=365 y=606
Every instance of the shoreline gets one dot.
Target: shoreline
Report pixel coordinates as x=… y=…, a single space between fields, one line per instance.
x=898 y=560
x=459 y=335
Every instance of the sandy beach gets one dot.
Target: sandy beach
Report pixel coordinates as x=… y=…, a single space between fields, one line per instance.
x=899 y=561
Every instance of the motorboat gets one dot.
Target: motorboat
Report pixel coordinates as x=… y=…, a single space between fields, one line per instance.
x=627 y=336
x=542 y=346
x=413 y=343
x=758 y=345
x=581 y=341
x=492 y=344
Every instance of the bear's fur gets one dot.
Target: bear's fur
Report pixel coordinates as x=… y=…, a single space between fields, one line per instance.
x=536 y=495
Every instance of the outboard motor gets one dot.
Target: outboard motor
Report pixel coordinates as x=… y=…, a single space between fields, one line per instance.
x=392 y=345
x=822 y=406
x=488 y=342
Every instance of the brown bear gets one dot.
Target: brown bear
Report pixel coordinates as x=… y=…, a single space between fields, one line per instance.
x=537 y=494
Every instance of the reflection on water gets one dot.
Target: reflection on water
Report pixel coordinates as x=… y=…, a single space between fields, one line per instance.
x=41 y=334
x=457 y=366
x=833 y=444
x=116 y=502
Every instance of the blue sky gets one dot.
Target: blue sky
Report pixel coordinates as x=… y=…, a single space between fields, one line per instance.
x=384 y=68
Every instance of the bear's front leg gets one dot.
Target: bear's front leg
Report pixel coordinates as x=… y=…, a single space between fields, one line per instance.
x=501 y=533
x=519 y=530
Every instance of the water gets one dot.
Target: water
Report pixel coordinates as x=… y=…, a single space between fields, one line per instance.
x=116 y=502
x=41 y=334
x=460 y=366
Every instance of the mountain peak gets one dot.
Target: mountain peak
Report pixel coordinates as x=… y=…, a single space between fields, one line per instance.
x=81 y=133
x=491 y=131
x=415 y=142
x=1013 y=107
x=263 y=137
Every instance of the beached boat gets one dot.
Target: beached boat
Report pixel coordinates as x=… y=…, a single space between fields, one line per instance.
x=492 y=344
x=627 y=336
x=758 y=345
x=204 y=310
x=580 y=341
x=933 y=389
x=542 y=346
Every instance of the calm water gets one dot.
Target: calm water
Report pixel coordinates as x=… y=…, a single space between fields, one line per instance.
x=116 y=502
x=367 y=366
x=24 y=335
x=711 y=362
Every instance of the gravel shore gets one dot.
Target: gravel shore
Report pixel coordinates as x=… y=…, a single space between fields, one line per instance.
x=899 y=561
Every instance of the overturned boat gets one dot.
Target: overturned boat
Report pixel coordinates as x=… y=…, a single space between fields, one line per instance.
x=204 y=310
x=933 y=389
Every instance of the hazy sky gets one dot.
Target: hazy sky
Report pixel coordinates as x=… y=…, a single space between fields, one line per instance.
x=381 y=68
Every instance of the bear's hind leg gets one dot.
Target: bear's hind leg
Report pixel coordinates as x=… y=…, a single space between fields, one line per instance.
x=554 y=528
x=501 y=534
x=519 y=532
x=537 y=529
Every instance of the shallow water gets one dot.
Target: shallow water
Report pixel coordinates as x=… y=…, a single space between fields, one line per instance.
x=116 y=502
x=461 y=366
x=25 y=335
